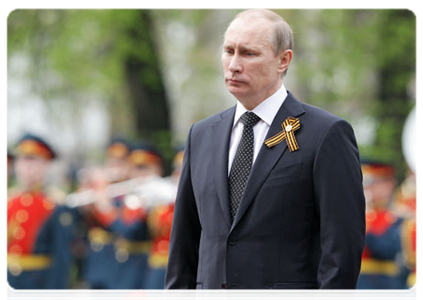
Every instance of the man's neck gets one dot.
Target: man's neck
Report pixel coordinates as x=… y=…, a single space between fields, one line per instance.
x=252 y=102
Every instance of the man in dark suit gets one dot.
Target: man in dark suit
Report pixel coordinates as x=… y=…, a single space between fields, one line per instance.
x=270 y=194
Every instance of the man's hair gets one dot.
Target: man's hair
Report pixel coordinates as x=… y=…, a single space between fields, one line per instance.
x=282 y=37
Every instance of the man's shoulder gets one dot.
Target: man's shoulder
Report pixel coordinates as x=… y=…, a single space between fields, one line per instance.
x=317 y=115
x=321 y=115
x=318 y=120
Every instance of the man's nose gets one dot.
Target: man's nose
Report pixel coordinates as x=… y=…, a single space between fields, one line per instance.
x=235 y=65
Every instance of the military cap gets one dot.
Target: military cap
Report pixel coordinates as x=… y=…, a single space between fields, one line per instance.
x=33 y=145
x=377 y=168
x=143 y=153
x=118 y=148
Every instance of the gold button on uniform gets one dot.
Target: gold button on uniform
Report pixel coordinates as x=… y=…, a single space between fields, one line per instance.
x=22 y=216
x=18 y=233
x=66 y=219
x=27 y=199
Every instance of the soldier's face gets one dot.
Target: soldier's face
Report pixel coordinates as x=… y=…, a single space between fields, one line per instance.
x=379 y=192
x=251 y=67
x=117 y=169
x=146 y=170
x=31 y=171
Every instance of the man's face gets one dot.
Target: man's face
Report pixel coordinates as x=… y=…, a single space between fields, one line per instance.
x=379 y=192
x=117 y=169
x=146 y=170
x=31 y=171
x=249 y=62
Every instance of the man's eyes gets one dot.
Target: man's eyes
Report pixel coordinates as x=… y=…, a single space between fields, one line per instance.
x=243 y=53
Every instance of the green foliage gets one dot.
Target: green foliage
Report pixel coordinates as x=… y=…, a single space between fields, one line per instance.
x=85 y=47
x=360 y=62
x=352 y=62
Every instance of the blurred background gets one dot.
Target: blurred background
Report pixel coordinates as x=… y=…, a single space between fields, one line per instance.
x=81 y=76
x=78 y=77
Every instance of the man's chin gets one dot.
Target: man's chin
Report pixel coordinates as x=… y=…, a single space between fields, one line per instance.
x=237 y=91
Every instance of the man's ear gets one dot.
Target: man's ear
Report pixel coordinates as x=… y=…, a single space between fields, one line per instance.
x=284 y=60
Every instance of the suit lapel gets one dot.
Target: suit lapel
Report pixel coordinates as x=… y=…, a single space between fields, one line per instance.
x=267 y=157
x=221 y=138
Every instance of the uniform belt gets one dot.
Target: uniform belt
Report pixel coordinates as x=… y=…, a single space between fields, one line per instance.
x=18 y=263
x=413 y=281
x=102 y=237
x=158 y=260
x=379 y=267
x=139 y=247
x=133 y=247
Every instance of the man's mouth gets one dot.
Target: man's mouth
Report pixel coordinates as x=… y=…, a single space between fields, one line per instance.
x=235 y=81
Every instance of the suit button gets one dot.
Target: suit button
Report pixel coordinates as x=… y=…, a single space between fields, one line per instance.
x=232 y=242
x=223 y=285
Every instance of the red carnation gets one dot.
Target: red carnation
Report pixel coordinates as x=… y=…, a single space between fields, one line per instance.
x=140 y=295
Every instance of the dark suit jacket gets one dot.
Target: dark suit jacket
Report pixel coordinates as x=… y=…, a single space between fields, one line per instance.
x=301 y=221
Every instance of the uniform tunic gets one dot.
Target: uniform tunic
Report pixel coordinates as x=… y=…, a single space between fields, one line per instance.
x=39 y=233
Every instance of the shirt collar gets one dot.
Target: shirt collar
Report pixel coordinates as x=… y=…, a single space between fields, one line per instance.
x=266 y=110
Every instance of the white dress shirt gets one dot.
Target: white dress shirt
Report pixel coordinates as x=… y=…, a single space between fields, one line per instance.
x=266 y=111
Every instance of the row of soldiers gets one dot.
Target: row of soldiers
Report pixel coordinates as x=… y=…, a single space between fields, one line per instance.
x=389 y=257
x=112 y=233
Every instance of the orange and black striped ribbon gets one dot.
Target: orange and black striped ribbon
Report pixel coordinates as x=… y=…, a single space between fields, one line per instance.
x=288 y=127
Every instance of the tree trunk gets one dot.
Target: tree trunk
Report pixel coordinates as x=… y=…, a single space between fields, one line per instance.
x=145 y=82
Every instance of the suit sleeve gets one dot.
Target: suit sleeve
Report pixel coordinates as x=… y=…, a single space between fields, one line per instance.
x=341 y=206
x=185 y=234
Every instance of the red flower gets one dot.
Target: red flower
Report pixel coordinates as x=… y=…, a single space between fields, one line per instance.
x=140 y=295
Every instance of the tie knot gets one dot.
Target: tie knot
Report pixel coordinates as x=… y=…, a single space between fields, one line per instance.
x=249 y=119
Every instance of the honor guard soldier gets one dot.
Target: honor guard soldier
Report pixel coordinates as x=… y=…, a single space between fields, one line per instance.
x=405 y=206
x=121 y=235
x=160 y=223
x=146 y=164
x=382 y=266
x=39 y=230
x=101 y=261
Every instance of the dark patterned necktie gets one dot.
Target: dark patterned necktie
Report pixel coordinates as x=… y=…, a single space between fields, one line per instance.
x=242 y=163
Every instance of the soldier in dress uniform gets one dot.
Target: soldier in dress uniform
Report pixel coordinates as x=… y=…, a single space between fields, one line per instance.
x=119 y=241
x=405 y=206
x=382 y=265
x=160 y=223
x=101 y=263
x=133 y=240
x=39 y=229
